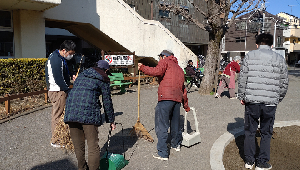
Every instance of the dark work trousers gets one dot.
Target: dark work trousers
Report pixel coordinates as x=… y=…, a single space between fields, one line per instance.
x=79 y=132
x=167 y=114
x=266 y=114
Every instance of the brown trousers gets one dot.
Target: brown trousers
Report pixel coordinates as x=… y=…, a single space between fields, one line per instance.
x=225 y=83
x=79 y=132
x=58 y=100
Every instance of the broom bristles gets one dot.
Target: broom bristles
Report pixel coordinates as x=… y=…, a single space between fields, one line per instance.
x=62 y=135
x=141 y=132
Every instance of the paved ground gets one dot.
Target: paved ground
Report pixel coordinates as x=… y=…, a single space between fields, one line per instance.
x=24 y=141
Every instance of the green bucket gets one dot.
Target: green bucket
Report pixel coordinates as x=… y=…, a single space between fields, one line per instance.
x=112 y=161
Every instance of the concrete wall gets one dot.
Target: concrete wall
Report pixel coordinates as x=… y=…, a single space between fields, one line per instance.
x=114 y=18
x=29 y=34
x=146 y=37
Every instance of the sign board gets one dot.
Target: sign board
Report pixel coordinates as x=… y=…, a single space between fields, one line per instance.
x=119 y=59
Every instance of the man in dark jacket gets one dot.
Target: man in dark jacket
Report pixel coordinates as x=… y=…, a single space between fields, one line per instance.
x=83 y=112
x=263 y=83
x=171 y=93
x=58 y=82
x=190 y=69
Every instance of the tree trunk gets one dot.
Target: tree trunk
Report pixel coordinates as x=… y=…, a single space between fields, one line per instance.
x=210 y=67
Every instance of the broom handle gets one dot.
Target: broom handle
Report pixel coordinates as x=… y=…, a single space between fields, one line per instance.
x=79 y=67
x=139 y=87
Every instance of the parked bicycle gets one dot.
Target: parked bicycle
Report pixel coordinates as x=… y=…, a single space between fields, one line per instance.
x=195 y=81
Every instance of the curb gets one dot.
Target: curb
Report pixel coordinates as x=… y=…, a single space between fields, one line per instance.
x=25 y=113
x=217 y=150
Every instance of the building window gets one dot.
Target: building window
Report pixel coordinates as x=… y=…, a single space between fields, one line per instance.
x=240 y=25
x=240 y=39
x=278 y=41
x=164 y=14
x=6 y=34
x=5 y=19
x=132 y=6
x=6 y=43
x=185 y=11
x=180 y=17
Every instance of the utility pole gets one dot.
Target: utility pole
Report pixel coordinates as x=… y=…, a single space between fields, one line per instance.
x=263 y=7
x=292 y=8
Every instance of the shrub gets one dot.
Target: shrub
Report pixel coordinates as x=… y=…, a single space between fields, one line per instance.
x=22 y=75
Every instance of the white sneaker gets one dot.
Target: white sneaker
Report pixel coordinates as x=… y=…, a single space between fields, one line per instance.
x=249 y=165
x=177 y=149
x=56 y=145
x=155 y=155
x=217 y=95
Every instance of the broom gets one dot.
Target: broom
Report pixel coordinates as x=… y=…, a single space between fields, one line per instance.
x=79 y=66
x=138 y=129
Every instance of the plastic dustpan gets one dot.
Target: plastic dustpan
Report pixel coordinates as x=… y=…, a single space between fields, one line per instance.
x=190 y=139
x=112 y=161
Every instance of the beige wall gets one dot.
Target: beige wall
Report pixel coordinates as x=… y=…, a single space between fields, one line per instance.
x=29 y=34
x=114 y=18
x=97 y=18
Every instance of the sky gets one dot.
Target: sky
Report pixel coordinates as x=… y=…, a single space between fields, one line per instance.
x=287 y=6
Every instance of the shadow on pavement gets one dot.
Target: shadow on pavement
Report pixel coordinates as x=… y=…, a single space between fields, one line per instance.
x=120 y=142
x=238 y=123
x=239 y=138
x=118 y=113
x=64 y=164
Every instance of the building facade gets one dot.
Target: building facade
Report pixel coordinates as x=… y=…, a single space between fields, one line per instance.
x=109 y=25
x=291 y=37
x=191 y=35
x=241 y=36
x=291 y=19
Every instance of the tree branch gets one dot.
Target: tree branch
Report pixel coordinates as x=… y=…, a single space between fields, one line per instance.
x=241 y=9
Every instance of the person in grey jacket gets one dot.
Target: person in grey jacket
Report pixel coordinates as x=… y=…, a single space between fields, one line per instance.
x=263 y=83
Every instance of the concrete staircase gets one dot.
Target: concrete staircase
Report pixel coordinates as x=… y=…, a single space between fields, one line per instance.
x=112 y=25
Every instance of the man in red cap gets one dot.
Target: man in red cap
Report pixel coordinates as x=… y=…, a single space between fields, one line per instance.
x=171 y=93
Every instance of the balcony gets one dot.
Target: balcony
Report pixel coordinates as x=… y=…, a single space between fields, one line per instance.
x=292 y=47
x=292 y=32
x=295 y=47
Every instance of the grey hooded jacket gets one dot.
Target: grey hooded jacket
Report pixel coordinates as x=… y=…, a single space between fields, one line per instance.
x=263 y=77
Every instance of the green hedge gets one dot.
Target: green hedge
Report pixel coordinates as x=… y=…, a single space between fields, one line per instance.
x=22 y=75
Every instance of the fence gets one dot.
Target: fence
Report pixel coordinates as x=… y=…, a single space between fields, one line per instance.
x=7 y=98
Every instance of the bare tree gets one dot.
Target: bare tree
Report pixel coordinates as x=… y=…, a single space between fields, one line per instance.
x=216 y=14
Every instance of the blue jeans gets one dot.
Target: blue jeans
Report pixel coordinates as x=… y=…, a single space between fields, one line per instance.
x=266 y=114
x=167 y=114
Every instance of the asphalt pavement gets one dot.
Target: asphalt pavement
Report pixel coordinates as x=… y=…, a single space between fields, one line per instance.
x=25 y=140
